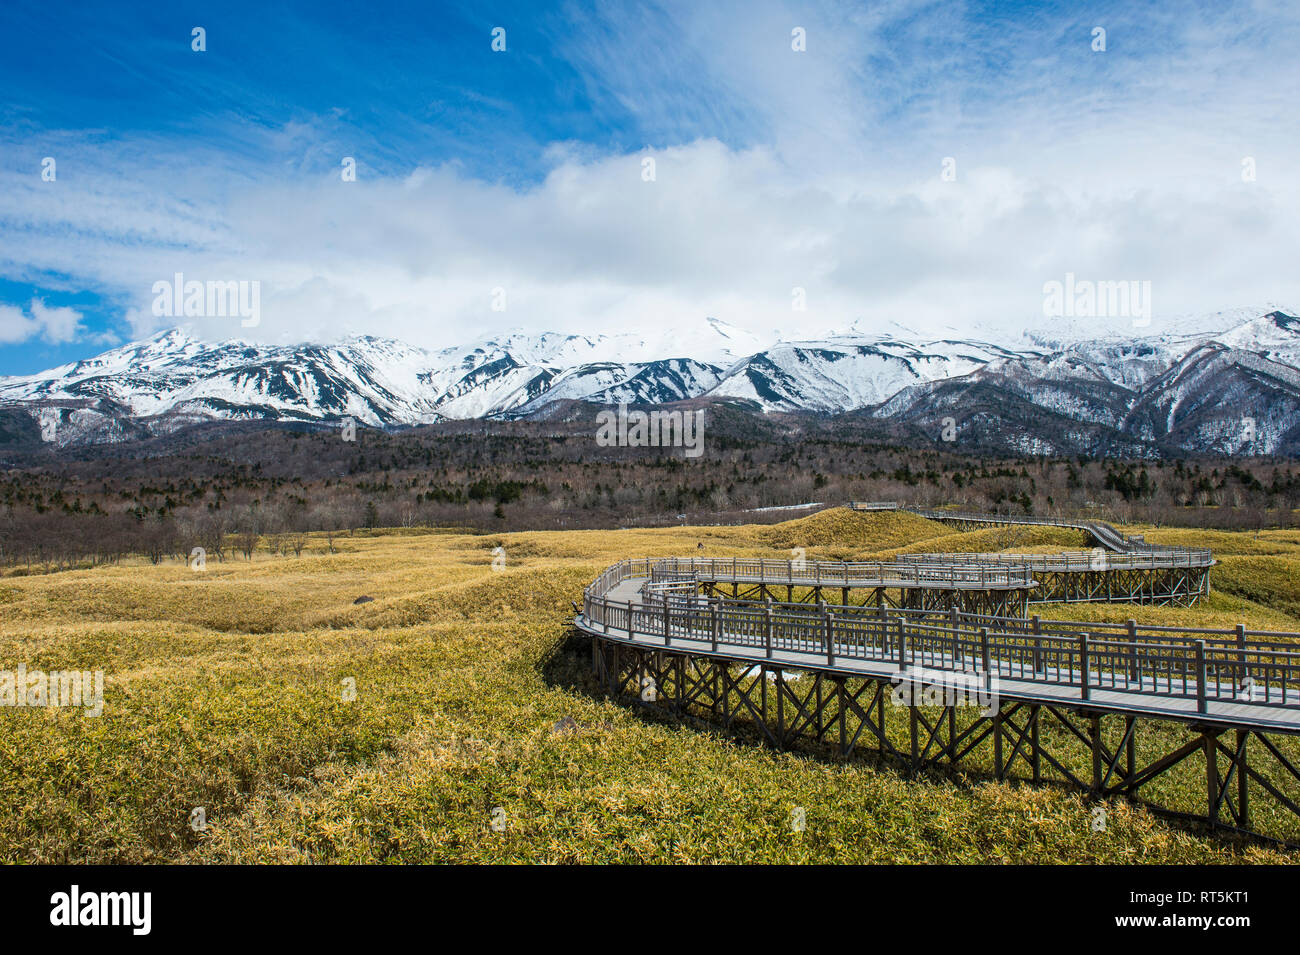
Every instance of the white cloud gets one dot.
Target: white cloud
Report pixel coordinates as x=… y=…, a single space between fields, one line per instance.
x=57 y=326
x=1123 y=165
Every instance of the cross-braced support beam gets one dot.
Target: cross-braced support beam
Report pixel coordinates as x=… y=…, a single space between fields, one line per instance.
x=1102 y=754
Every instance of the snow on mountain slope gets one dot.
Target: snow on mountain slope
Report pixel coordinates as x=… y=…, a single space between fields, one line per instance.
x=1170 y=389
x=1212 y=399
x=711 y=342
x=1126 y=364
x=1221 y=399
x=373 y=379
x=1275 y=336
x=656 y=382
x=846 y=372
x=379 y=381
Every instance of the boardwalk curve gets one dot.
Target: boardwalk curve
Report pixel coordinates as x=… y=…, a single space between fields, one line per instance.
x=666 y=632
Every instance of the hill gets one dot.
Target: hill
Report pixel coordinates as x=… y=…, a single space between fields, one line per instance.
x=224 y=690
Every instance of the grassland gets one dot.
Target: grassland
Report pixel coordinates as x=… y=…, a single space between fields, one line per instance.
x=224 y=690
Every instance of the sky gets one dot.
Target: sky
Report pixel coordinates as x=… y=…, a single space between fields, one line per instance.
x=915 y=165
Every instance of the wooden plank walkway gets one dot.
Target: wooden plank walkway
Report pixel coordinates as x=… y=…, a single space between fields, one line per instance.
x=1135 y=548
x=1048 y=693
x=1154 y=679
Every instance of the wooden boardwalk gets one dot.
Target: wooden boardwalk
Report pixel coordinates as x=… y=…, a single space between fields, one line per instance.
x=823 y=670
x=1120 y=569
x=1151 y=679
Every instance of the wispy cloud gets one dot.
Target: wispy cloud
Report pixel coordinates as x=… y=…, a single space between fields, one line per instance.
x=53 y=325
x=774 y=169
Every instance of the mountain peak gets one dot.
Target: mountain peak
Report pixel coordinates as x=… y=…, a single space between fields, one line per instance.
x=1282 y=320
x=1094 y=383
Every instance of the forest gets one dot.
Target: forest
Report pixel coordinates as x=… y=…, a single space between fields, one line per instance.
x=230 y=491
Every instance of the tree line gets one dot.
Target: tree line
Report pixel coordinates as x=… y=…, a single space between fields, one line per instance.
x=239 y=493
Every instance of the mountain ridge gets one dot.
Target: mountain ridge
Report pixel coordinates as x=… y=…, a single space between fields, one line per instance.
x=1157 y=393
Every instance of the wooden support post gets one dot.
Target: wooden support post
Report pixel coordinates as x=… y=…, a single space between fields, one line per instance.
x=842 y=707
x=912 y=721
x=998 y=768
x=1243 y=792
x=1130 y=730
x=1095 y=733
x=716 y=623
x=1035 y=753
x=1211 y=778
x=714 y=666
x=902 y=645
x=880 y=721
x=780 y=708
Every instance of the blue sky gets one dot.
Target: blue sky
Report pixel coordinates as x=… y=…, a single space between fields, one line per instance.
x=522 y=170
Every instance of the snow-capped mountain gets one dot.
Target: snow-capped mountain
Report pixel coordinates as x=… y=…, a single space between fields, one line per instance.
x=1231 y=392
x=1168 y=392
x=844 y=372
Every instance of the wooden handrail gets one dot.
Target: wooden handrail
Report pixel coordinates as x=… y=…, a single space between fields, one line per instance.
x=1146 y=660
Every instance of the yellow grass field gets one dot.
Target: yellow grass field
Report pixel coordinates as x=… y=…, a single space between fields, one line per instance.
x=224 y=689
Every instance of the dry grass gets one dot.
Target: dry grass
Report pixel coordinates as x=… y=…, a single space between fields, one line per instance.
x=223 y=690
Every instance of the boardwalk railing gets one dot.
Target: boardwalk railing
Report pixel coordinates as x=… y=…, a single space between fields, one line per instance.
x=1073 y=562
x=1261 y=668
x=1103 y=533
x=911 y=572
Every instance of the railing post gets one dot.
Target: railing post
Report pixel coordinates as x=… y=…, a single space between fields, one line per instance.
x=1134 y=673
x=1241 y=652
x=902 y=645
x=1084 y=677
x=955 y=626
x=767 y=628
x=716 y=622
x=1202 y=704
x=830 y=635
x=1038 y=644
x=668 y=623
x=984 y=657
